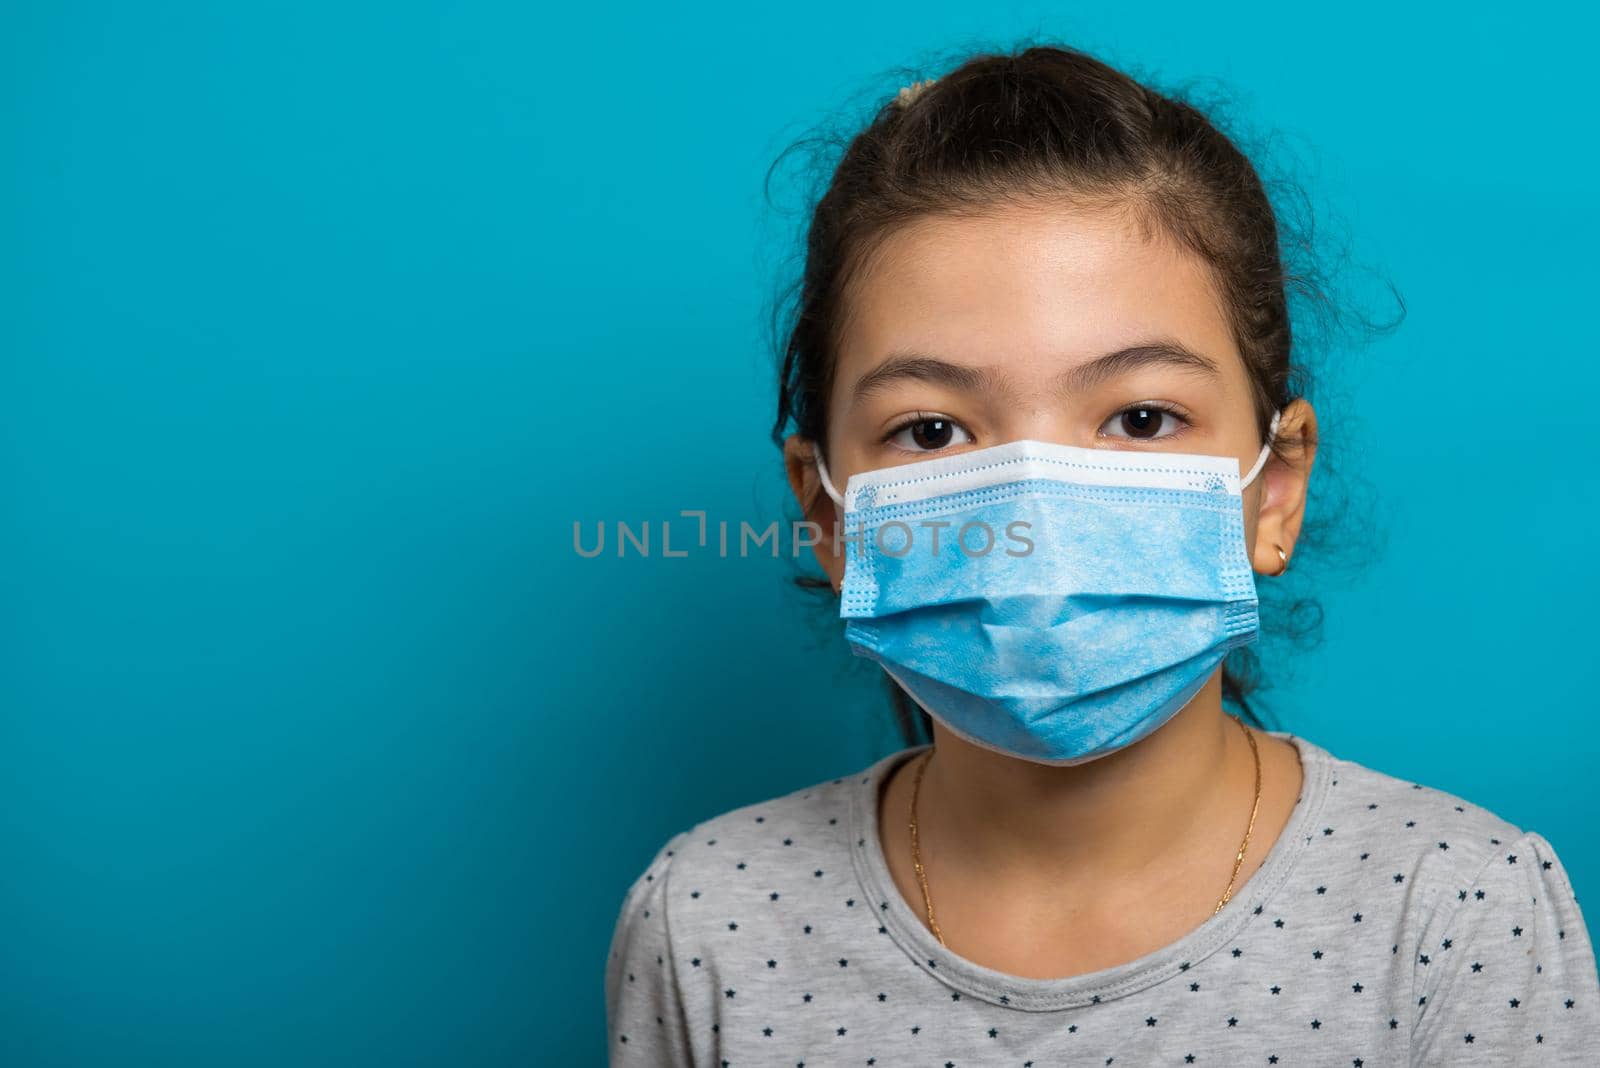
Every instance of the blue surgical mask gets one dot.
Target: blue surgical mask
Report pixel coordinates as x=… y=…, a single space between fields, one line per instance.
x=1049 y=602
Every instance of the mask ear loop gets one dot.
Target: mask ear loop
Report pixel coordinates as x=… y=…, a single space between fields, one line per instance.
x=822 y=473
x=1266 y=448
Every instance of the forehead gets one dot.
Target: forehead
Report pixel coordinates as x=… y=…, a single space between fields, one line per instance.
x=1035 y=286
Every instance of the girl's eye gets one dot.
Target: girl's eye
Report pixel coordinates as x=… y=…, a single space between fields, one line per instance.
x=929 y=435
x=1144 y=422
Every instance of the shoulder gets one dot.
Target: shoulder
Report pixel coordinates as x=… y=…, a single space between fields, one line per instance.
x=743 y=878
x=1445 y=859
x=806 y=829
x=1424 y=833
x=1460 y=871
x=1500 y=956
x=756 y=850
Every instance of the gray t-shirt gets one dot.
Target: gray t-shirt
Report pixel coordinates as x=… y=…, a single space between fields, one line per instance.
x=1390 y=924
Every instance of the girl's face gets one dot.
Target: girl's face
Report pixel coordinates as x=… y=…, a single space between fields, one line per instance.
x=1047 y=322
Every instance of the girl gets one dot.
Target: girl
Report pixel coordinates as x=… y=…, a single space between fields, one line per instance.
x=1042 y=402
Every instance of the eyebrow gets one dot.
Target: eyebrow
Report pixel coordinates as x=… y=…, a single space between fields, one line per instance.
x=921 y=367
x=1160 y=351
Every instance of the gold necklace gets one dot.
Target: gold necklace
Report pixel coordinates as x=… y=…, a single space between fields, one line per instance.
x=922 y=876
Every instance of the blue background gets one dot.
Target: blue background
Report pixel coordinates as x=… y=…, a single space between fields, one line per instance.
x=321 y=324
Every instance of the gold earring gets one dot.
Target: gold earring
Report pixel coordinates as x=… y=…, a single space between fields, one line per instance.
x=1283 y=561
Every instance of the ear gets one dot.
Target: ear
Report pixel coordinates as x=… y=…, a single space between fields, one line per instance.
x=800 y=464
x=1281 y=489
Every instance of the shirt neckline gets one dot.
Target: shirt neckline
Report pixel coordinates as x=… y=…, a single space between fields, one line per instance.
x=1018 y=992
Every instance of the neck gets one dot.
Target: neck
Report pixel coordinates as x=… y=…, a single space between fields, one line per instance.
x=1116 y=816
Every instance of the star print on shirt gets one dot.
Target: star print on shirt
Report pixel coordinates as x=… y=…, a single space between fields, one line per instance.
x=769 y=958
